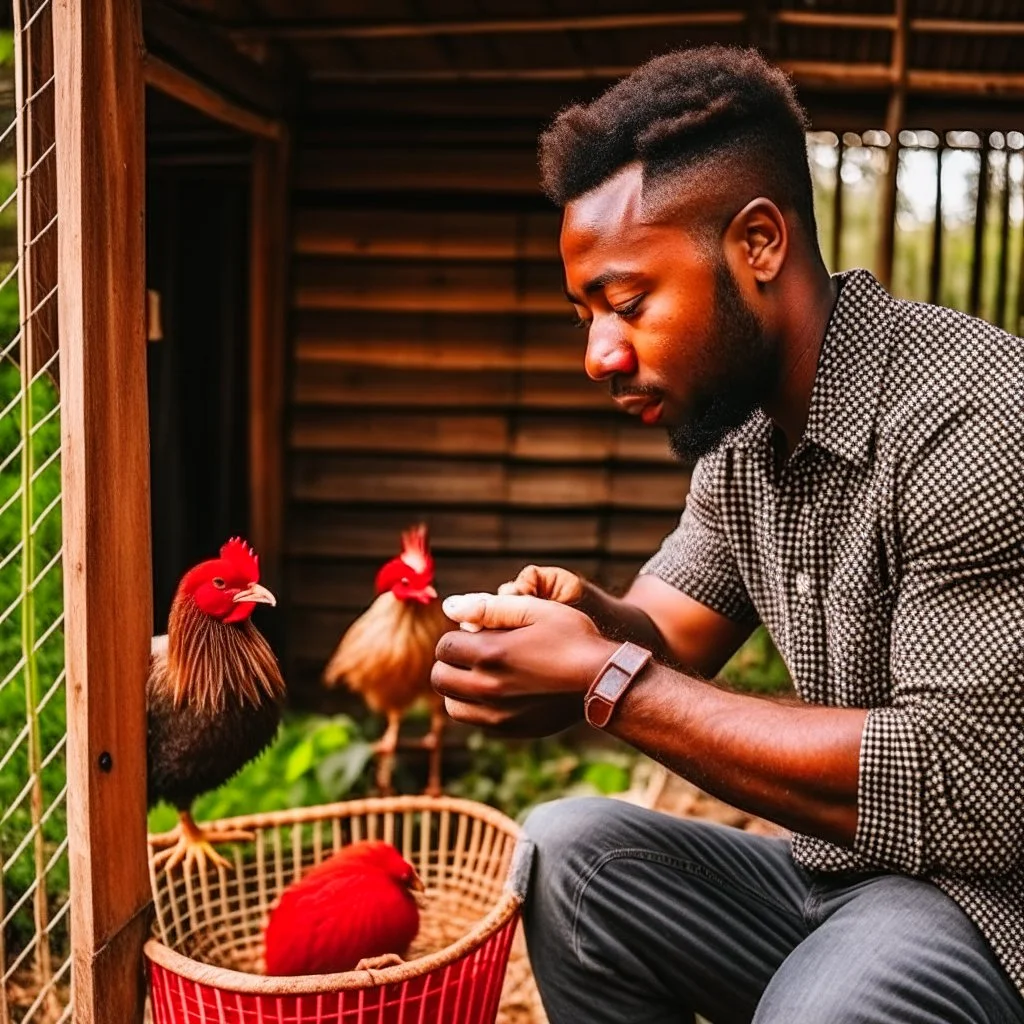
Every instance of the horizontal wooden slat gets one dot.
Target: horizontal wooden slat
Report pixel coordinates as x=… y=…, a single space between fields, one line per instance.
x=415 y=482
x=549 y=486
x=524 y=436
x=563 y=438
x=408 y=234
x=339 y=430
x=323 y=283
x=341 y=385
x=639 y=533
x=400 y=481
x=329 y=531
x=509 y=171
x=441 y=341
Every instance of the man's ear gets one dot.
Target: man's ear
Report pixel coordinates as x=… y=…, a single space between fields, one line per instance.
x=757 y=240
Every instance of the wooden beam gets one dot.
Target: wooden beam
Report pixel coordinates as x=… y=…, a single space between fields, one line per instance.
x=412 y=75
x=199 y=50
x=967 y=27
x=100 y=128
x=967 y=83
x=938 y=230
x=202 y=97
x=893 y=126
x=268 y=345
x=823 y=20
x=980 y=216
x=494 y=26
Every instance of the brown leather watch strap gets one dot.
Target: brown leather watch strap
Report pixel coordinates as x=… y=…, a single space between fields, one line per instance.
x=612 y=682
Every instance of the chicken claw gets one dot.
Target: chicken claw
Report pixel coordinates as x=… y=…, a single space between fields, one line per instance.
x=192 y=846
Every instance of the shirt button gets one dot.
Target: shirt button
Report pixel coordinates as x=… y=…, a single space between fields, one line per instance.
x=803 y=584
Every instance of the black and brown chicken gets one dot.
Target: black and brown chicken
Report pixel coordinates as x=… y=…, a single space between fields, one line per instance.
x=213 y=697
x=387 y=654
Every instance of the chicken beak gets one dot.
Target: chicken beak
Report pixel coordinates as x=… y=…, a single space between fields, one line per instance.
x=430 y=592
x=255 y=594
x=416 y=883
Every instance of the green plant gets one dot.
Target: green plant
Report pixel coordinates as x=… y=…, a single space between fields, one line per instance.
x=314 y=760
x=515 y=775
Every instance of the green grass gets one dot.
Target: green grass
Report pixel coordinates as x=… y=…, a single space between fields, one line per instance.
x=47 y=661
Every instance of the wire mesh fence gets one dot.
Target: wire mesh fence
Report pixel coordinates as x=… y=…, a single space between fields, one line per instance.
x=34 y=885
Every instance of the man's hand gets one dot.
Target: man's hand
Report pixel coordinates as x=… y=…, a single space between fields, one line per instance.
x=525 y=672
x=545 y=581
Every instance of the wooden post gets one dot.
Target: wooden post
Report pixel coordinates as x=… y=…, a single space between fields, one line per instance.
x=893 y=125
x=1001 y=315
x=100 y=121
x=935 y=273
x=980 y=216
x=268 y=317
x=837 y=210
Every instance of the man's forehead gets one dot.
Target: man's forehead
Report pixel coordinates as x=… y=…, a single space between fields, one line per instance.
x=613 y=205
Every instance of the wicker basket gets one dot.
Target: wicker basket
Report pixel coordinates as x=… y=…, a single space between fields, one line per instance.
x=205 y=960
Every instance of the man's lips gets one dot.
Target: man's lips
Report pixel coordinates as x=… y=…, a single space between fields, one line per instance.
x=647 y=407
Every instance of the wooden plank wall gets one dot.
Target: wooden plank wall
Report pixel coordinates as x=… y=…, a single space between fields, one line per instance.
x=436 y=373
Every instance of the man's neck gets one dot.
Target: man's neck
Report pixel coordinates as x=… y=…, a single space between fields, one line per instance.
x=806 y=312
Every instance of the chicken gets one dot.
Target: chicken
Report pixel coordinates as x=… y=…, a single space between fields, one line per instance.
x=387 y=654
x=213 y=697
x=355 y=906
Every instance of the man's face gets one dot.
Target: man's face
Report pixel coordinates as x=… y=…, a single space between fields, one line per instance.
x=668 y=326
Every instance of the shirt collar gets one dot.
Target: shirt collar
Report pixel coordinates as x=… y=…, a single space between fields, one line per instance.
x=848 y=383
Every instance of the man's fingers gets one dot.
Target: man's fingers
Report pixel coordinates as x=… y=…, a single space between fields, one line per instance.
x=463 y=684
x=493 y=611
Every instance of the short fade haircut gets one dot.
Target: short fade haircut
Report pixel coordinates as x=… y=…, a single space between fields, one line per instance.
x=714 y=107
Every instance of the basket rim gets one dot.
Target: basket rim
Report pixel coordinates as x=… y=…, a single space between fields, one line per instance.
x=245 y=983
x=354 y=808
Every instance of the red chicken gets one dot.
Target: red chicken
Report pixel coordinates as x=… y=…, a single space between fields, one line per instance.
x=213 y=696
x=387 y=654
x=357 y=905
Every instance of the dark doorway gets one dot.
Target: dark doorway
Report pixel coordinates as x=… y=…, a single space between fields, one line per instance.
x=197 y=241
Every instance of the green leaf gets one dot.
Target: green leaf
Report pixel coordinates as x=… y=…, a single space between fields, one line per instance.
x=606 y=778
x=337 y=772
x=300 y=760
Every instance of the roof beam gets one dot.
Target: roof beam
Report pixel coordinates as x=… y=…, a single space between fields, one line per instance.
x=179 y=47
x=494 y=26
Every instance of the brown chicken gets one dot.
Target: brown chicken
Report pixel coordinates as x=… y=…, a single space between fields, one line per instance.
x=387 y=654
x=213 y=696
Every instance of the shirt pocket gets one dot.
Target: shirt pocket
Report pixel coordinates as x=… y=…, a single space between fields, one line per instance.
x=858 y=624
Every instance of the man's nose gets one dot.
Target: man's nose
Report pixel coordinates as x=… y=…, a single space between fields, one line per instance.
x=608 y=353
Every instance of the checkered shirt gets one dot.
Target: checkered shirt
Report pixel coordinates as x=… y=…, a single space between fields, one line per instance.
x=886 y=560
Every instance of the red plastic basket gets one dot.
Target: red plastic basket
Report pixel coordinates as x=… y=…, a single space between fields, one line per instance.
x=205 y=961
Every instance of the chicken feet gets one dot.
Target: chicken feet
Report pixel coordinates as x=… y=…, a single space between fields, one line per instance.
x=387 y=745
x=192 y=846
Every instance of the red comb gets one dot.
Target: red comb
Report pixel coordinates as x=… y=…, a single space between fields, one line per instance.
x=243 y=557
x=415 y=553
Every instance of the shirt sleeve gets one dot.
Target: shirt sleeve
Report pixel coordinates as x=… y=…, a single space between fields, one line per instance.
x=696 y=558
x=942 y=767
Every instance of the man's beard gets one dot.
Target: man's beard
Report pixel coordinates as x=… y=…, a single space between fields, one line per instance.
x=742 y=374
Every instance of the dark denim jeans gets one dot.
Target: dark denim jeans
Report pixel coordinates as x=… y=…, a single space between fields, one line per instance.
x=635 y=917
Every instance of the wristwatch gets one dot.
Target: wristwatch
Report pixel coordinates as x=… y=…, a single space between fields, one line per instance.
x=612 y=682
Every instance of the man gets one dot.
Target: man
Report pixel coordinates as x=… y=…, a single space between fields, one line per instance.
x=860 y=491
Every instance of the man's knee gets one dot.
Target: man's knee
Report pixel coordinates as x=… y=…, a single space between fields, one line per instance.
x=560 y=825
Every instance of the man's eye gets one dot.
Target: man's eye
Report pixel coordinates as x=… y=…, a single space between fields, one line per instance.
x=630 y=308
x=218 y=582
